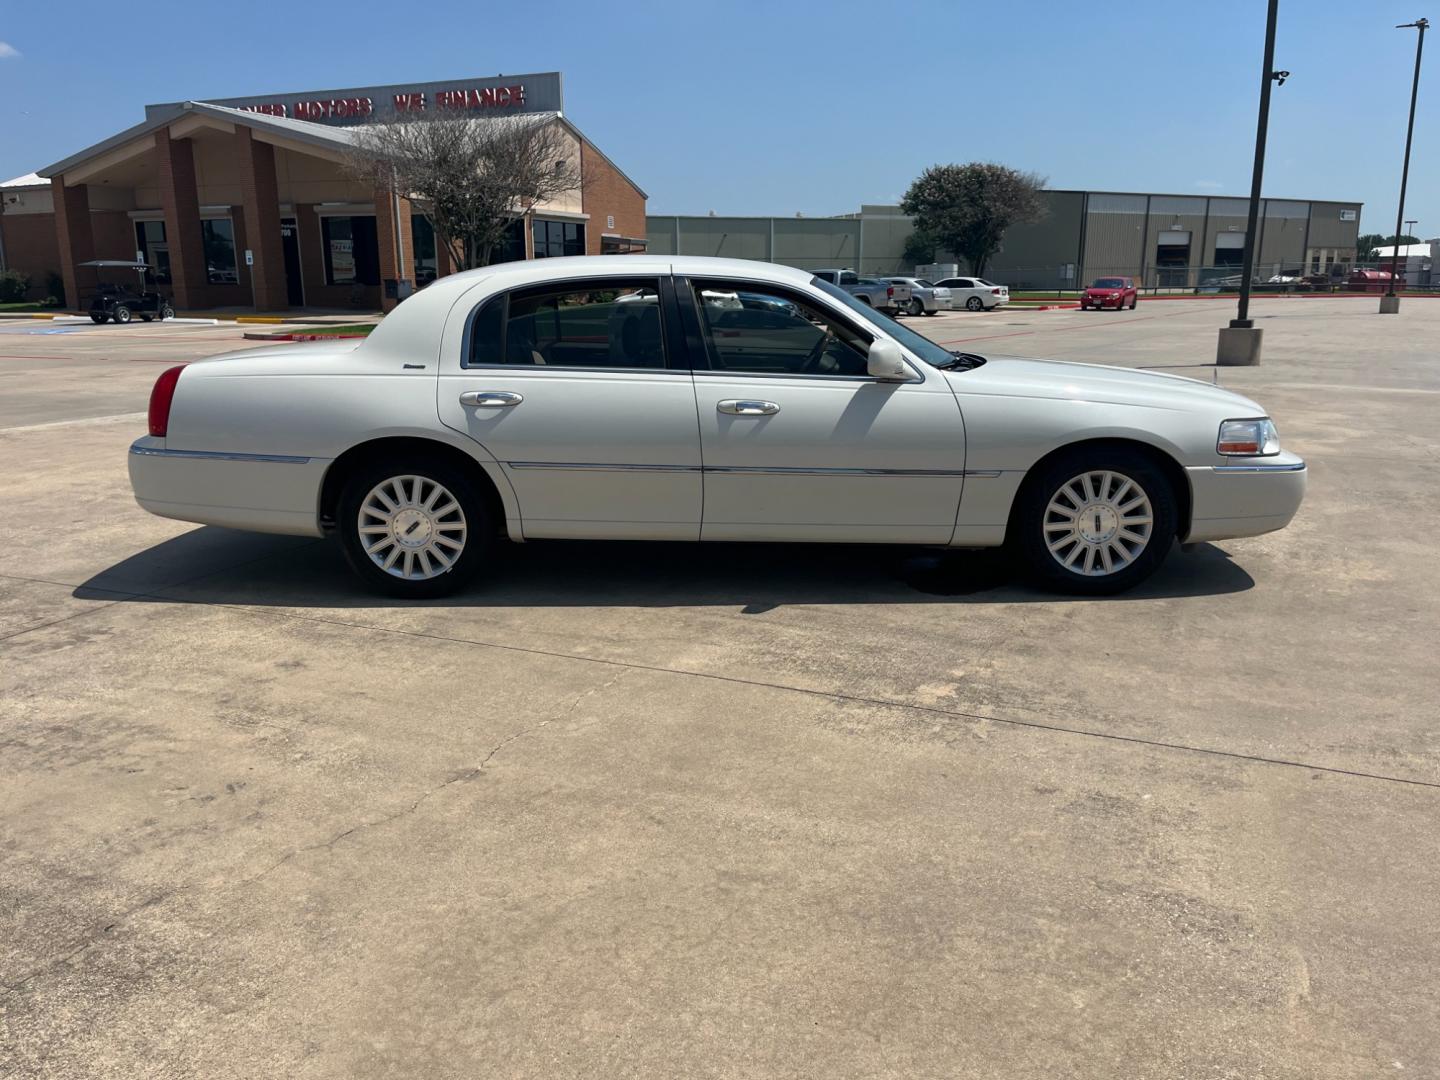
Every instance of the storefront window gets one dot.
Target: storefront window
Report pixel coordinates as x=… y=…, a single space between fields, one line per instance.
x=150 y=242
x=422 y=239
x=352 y=256
x=218 y=236
x=512 y=248
x=556 y=238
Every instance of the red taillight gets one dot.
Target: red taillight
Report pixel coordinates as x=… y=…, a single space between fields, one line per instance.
x=890 y=292
x=160 y=399
x=995 y=291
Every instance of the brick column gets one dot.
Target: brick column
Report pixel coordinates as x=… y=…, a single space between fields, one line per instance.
x=394 y=262
x=72 y=228
x=182 y=220
x=260 y=197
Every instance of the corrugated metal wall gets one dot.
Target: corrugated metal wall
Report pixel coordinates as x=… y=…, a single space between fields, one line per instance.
x=1107 y=232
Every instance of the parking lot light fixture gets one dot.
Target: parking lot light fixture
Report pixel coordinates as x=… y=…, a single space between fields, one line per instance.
x=1390 y=302
x=1240 y=341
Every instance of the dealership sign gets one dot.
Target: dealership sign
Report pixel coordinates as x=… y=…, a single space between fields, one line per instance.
x=500 y=93
x=411 y=101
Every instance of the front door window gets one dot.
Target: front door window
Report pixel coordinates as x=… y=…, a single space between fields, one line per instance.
x=761 y=331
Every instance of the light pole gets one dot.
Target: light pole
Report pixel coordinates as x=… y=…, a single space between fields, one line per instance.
x=1390 y=303
x=1240 y=341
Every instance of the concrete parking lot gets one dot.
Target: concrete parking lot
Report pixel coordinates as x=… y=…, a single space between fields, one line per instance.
x=765 y=811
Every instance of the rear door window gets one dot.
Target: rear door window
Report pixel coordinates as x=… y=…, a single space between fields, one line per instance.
x=611 y=323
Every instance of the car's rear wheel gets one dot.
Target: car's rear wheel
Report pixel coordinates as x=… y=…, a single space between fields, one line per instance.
x=974 y=304
x=146 y=318
x=98 y=317
x=1096 y=521
x=917 y=306
x=121 y=314
x=414 y=528
x=166 y=312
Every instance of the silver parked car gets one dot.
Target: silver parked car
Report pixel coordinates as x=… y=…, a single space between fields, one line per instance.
x=728 y=400
x=926 y=298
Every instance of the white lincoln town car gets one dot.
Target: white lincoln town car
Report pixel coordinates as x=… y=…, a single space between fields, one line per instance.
x=648 y=398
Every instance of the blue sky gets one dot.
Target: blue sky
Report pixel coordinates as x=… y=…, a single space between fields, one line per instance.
x=779 y=107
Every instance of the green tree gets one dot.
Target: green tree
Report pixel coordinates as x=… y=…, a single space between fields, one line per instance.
x=966 y=209
x=919 y=248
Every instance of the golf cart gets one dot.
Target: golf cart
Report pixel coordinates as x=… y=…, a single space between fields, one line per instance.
x=121 y=302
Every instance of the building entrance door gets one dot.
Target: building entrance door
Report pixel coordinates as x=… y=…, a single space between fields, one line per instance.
x=290 y=240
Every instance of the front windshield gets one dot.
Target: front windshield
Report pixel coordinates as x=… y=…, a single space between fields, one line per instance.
x=1108 y=283
x=922 y=347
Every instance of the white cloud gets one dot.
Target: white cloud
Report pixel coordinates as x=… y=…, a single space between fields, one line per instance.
x=1209 y=185
x=8 y=51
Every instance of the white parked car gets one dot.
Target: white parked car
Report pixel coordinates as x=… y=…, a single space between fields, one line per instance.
x=926 y=298
x=531 y=400
x=975 y=293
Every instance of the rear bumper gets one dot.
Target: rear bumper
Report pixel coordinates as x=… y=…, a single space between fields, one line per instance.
x=273 y=493
x=1230 y=501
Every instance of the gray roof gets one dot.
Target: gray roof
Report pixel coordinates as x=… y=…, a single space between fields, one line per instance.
x=327 y=136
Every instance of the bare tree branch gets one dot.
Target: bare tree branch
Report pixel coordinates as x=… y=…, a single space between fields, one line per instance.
x=471 y=177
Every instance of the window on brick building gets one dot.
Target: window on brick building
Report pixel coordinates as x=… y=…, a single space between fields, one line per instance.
x=352 y=256
x=150 y=242
x=556 y=238
x=422 y=239
x=218 y=237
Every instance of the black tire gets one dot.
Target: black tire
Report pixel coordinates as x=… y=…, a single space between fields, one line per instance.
x=121 y=314
x=146 y=318
x=98 y=318
x=974 y=304
x=166 y=312
x=1134 y=300
x=474 y=514
x=917 y=306
x=1032 y=538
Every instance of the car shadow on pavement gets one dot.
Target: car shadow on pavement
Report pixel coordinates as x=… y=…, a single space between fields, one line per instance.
x=211 y=565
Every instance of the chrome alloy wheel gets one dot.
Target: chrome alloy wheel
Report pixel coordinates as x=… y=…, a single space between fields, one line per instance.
x=411 y=527
x=1098 y=523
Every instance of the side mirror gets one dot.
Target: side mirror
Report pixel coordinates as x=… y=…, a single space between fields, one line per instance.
x=885 y=362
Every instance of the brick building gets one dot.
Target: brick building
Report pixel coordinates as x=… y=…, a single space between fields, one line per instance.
x=197 y=185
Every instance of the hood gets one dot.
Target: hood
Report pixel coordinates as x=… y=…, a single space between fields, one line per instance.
x=1064 y=381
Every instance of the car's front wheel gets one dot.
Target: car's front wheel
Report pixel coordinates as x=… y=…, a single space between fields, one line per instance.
x=414 y=528
x=1096 y=521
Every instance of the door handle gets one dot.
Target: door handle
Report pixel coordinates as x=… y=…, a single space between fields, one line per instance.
x=747 y=408
x=490 y=399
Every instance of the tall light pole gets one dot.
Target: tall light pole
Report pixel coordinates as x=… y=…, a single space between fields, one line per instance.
x=1390 y=303
x=1240 y=341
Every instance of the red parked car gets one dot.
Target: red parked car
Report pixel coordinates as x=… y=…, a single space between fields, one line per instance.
x=1113 y=292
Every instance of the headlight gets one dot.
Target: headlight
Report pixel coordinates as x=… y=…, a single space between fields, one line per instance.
x=1248 y=438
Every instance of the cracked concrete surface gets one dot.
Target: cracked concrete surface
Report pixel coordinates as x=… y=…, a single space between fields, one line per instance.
x=731 y=811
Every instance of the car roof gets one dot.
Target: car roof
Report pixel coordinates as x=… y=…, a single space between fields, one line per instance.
x=417 y=324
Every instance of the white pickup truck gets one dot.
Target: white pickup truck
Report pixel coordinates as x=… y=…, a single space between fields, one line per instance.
x=889 y=298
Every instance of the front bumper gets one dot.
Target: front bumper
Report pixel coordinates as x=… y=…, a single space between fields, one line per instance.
x=1247 y=498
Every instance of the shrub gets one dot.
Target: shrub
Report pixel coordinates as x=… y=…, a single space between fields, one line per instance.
x=13 y=286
